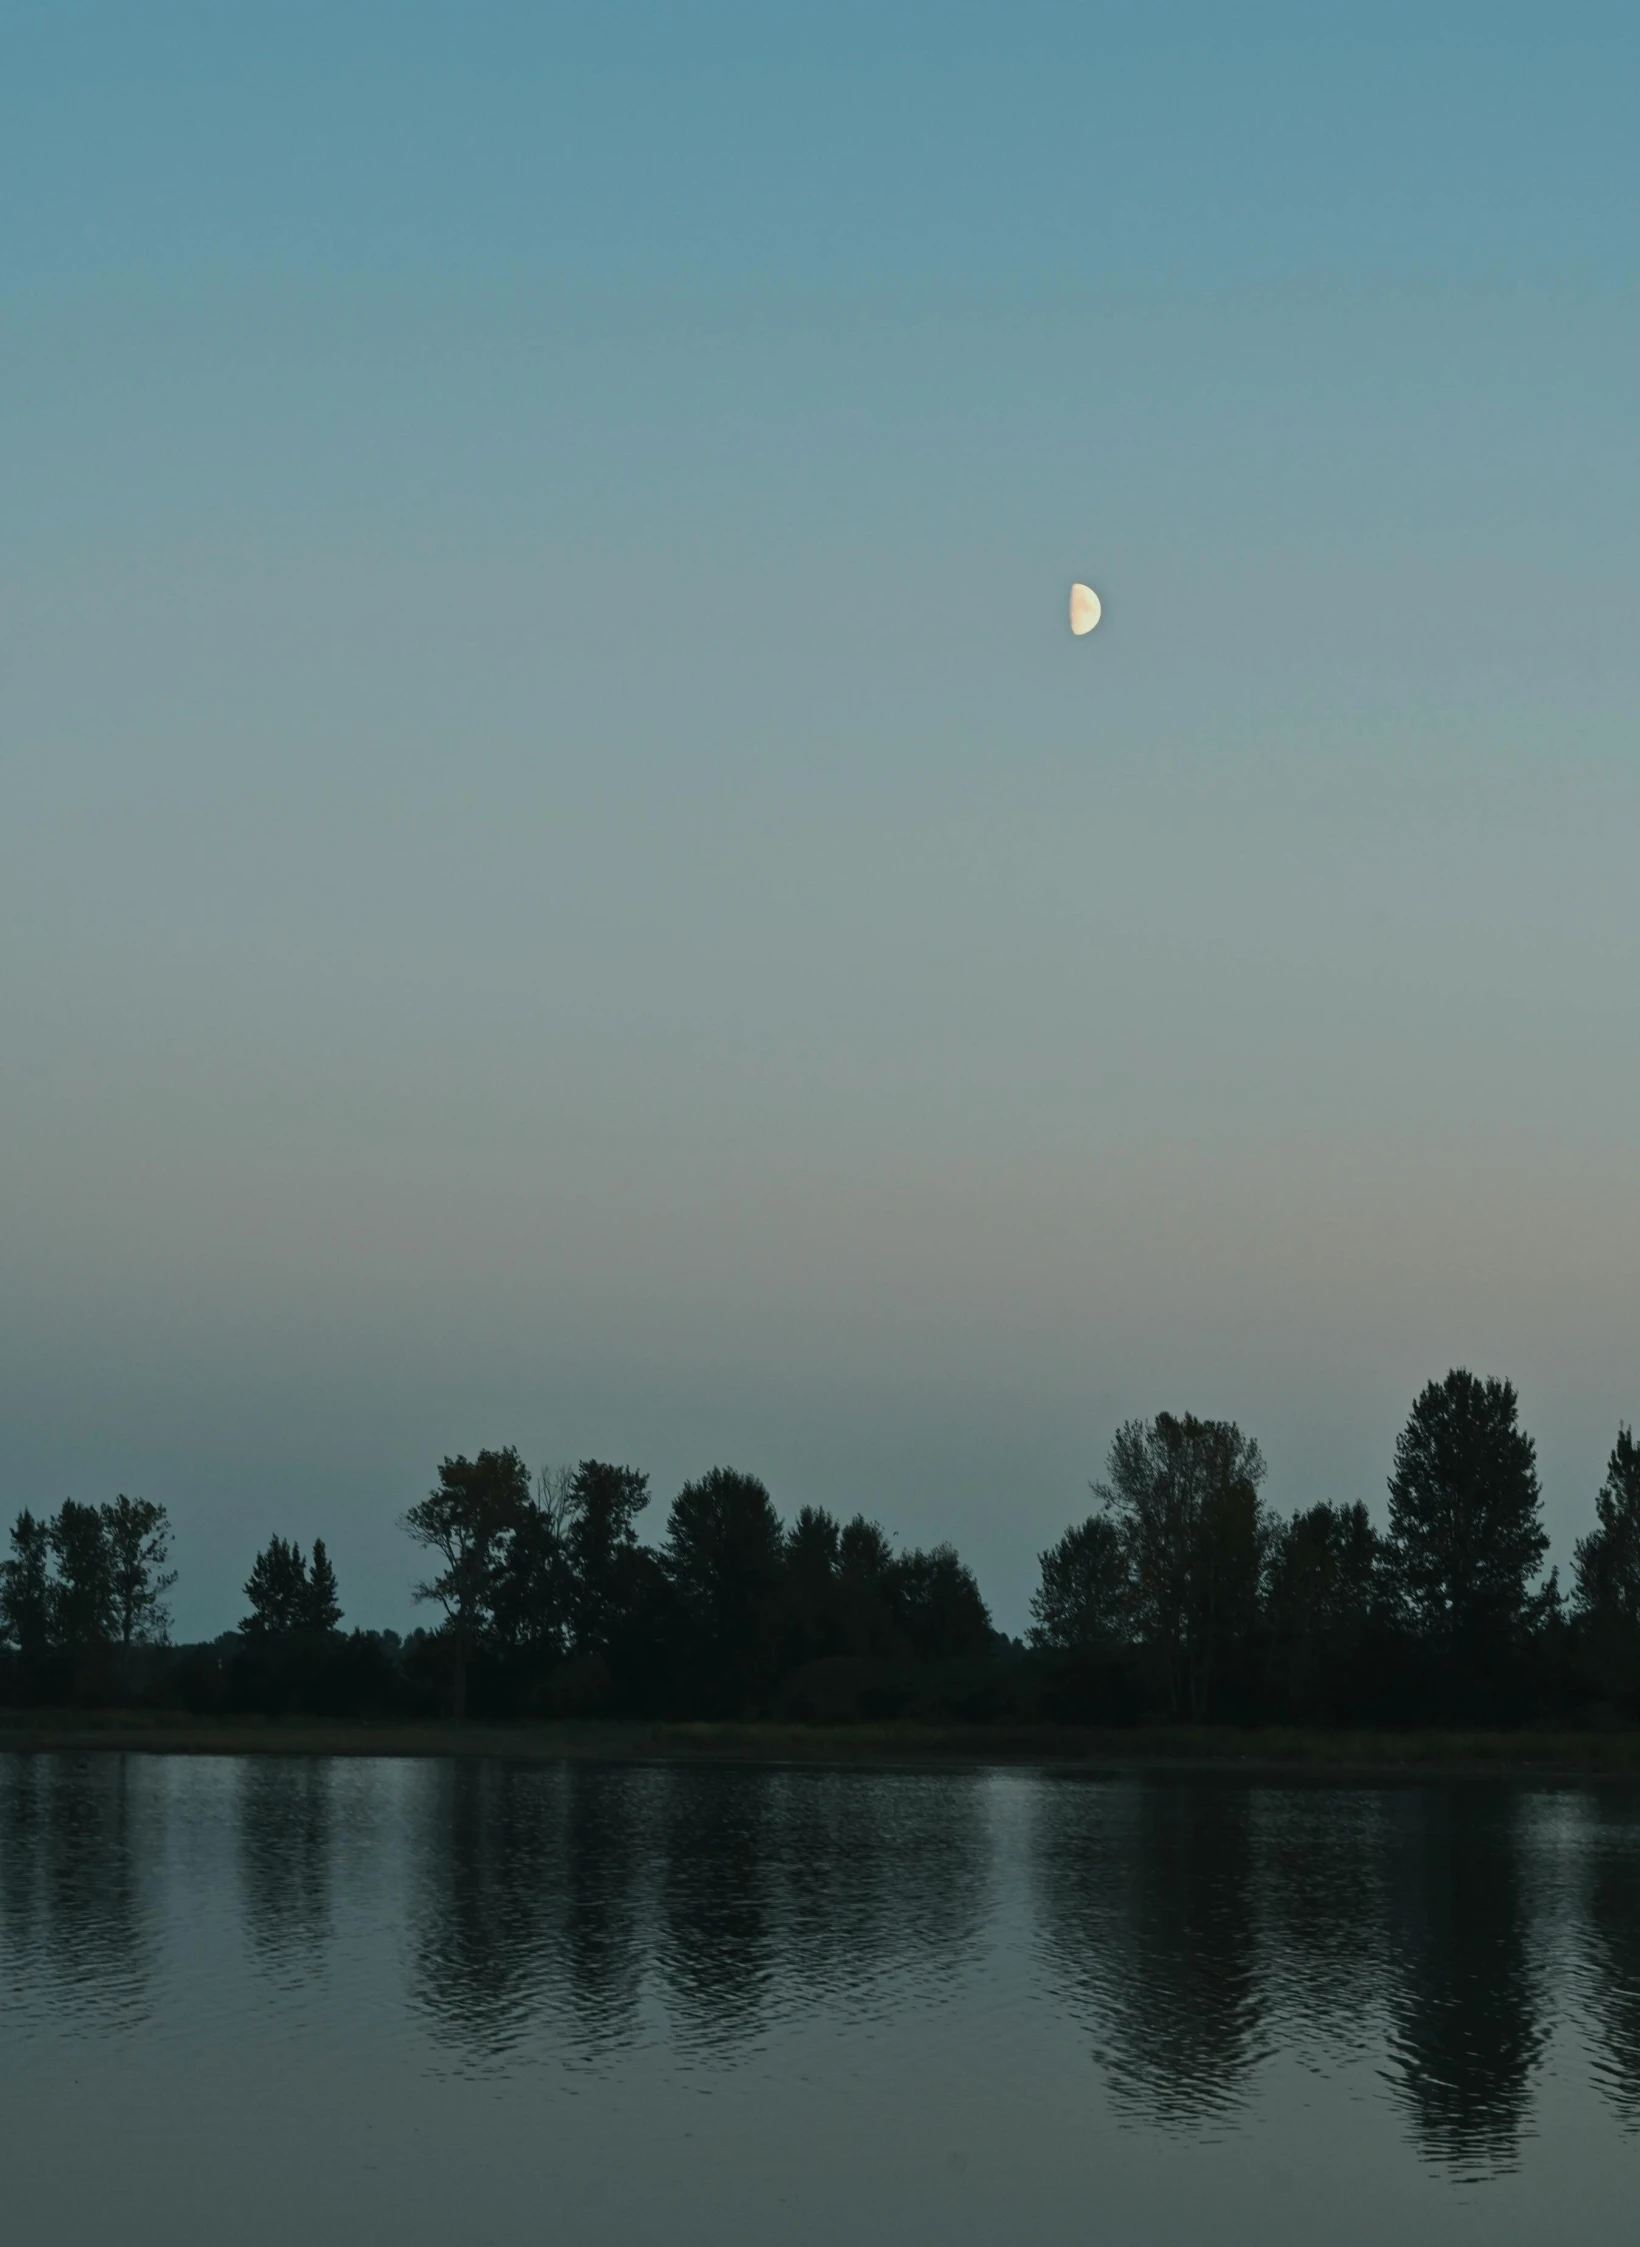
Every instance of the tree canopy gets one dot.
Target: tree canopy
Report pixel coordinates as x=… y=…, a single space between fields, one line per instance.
x=1465 y=1512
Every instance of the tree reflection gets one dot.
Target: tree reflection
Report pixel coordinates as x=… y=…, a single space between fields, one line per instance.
x=719 y=1936
x=1611 y=1950
x=746 y=1896
x=598 y=1942
x=1150 y=1923
x=1323 y=1906
x=886 y=1877
x=286 y=1845
x=784 y=1888
x=77 y=1856
x=487 y=1864
x=1467 y=2032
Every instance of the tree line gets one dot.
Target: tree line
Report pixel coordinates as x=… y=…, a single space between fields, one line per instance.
x=1182 y=1589
x=1180 y=1596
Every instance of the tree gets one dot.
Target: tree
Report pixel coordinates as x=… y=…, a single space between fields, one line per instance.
x=1466 y=1532
x=724 y=1549
x=866 y=1619
x=1184 y=1495
x=279 y=1592
x=528 y=1597
x=82 y=1597
x=812 y=1550
x=1606 y=1563
x=137 y=1534
x=938 y=1606
x=601 y=1550
x=465 y=1522
x=25 y=1587
x=1324 y=1591
x=323 y=1607
x=1082 y=1599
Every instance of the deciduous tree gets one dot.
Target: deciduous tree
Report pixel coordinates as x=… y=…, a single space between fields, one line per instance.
x=465 y=1522
x=138 y=1538
x=1083 y=1598
x=25 y=1587
x=82 y=1596
x=1184 y=1494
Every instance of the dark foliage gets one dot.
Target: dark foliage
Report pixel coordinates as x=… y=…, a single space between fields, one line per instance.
x=1183 y=1494
x=1083 y=1600
x=1181 y=1597
x=1465 y=1516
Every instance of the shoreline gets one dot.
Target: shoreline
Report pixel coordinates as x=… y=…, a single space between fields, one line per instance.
x=1338 y=1759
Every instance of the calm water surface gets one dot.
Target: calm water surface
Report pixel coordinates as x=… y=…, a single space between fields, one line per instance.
x=354 y=2001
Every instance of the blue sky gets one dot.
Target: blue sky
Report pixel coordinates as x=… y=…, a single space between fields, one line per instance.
x=561 y=877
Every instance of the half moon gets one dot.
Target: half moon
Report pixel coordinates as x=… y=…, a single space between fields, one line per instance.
x=1085 y=609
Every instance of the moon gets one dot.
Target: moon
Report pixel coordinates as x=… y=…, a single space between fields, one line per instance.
x=1085 y=609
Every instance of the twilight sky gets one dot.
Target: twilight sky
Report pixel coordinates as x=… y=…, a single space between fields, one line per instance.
x=562 y=878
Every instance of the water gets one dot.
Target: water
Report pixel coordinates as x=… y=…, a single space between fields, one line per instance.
x=321 y=2001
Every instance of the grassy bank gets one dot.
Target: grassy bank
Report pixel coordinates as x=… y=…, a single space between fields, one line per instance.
x=1274 y=1753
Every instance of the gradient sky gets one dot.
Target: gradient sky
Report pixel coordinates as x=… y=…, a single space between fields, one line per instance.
x=562 y=879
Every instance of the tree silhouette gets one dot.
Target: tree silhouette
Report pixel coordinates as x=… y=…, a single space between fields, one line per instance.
x=600 y=1547
x=25 y=1587
x=323 y=1606
x=1082 y=1599
x=937 y=1605
x=1606 y=1563
x=724 y=1548
x=82 y=1598
x=467 y=1522
x=278 y=1591
x=138 y=1538
x=1184 y=1494
x=1465 y=1512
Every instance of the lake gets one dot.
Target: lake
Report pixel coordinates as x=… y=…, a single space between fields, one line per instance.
x=316 y=2000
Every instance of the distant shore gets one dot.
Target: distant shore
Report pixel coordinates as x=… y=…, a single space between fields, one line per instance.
x=1556 y=1758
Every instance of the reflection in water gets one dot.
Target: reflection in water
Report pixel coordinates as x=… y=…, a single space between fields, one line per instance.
x=488 y=1866
x=790 y=1889
x=1151 y=1928
x=1611 y=1949
x=1187 y=1932
x=1322 y=1908
x=76 y=1861
x=1468 y=2028
x=286 y=1845
x=1198 y=1928
x=735 y=1897
x=718 y=1888
x=598 y=1945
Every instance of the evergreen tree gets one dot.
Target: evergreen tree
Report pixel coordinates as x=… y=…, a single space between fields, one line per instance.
x=323 y=1607
x=278 y=1590
x=1466 y=1530
x=1606 y=1563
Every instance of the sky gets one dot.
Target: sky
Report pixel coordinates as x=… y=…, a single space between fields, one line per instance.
x=563 y=880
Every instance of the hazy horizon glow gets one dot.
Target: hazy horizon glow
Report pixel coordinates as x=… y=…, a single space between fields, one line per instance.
x=561 y=879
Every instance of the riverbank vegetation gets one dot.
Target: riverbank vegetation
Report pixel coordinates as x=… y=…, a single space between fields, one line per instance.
x=1179 y=1601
